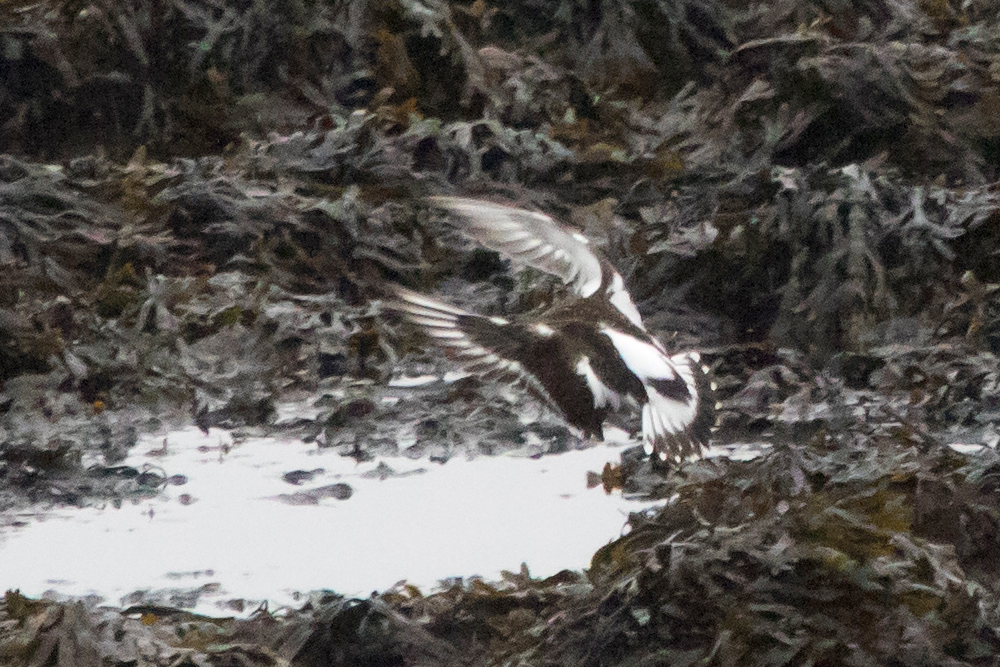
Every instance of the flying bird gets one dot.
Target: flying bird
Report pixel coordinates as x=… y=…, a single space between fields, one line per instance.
x=585 y=357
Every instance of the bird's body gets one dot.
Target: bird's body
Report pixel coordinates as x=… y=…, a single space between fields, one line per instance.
x=587 y=356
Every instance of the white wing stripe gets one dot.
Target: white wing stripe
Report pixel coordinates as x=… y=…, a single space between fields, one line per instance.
x=603 y=395
x=642 y=358
x=622 y=300
x=431 y=305
x=452 y=334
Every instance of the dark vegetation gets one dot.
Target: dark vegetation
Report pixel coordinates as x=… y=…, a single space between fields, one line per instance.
x=200 y=203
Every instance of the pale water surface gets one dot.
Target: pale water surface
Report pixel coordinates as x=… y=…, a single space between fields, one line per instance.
x=229 y=529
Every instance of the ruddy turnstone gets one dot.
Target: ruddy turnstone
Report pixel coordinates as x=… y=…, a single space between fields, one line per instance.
x=585 y=357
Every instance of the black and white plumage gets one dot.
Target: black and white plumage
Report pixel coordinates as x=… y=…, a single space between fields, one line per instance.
x=585 y=357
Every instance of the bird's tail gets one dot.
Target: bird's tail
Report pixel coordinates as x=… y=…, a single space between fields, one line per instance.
x=677 y=427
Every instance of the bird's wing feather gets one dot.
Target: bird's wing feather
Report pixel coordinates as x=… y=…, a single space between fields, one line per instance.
x=530 y=239
x=487 y=346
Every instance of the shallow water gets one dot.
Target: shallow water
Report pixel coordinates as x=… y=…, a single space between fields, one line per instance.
x=239 y=530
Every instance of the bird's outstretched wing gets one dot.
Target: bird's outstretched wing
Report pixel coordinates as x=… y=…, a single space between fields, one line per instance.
x=529 y=238
x=486 y=346
x=537 y=240
x=463 y=335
